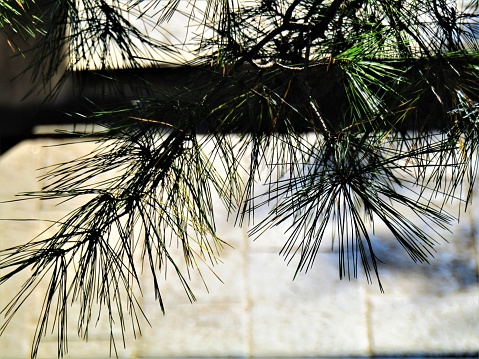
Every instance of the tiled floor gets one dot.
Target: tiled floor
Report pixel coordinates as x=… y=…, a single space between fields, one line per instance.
x=258 y=310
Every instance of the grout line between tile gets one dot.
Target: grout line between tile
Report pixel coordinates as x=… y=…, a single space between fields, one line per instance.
x=247 y=293
x=369 y=328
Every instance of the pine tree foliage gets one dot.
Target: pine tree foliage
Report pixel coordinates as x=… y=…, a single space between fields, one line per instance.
x=346 y=112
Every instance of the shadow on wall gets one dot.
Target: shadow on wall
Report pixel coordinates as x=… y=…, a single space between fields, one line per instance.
x=20 y=108
x=453 y=267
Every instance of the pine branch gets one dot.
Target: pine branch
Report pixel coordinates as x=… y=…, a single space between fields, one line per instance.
x=349 y=113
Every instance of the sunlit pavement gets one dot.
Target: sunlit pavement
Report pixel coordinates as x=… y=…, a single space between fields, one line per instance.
x=259 y=310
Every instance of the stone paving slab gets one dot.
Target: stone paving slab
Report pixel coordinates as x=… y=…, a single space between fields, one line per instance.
x=314 y=314
x=258 y=310
x=196 y=330
x=408 y=325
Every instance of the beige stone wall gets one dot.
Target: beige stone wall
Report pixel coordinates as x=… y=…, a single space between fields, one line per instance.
x=259 y=311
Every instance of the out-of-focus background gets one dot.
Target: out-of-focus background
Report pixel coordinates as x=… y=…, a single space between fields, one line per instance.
x=258 y=310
